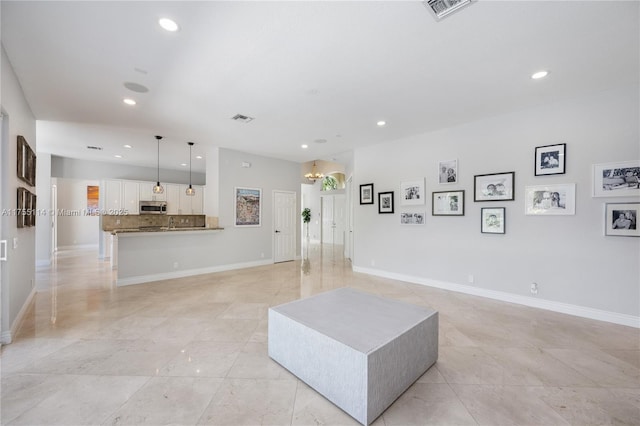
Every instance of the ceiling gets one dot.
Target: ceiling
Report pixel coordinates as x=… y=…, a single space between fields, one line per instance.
x=306 y=71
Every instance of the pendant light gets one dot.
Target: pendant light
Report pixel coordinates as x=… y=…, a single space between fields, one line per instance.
x=314 y=175
x=190 y=191
x=158 y=189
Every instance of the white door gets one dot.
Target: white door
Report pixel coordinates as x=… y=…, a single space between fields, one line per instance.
x=284 y=226
x=333 y=219
x=54 y=218
x=348 y=231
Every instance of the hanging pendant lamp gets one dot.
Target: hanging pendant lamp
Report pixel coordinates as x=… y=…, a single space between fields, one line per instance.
x=190 y=191
x=158 y=189
x=314 y=175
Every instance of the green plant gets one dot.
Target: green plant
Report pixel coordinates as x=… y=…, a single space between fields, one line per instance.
x=329 y=183
x=306 y=218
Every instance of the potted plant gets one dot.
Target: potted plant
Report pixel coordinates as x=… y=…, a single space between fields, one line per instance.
x=306 y=218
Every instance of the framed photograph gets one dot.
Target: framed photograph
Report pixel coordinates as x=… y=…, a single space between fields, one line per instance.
x=550 y=159
x=247 y=206
x=494 y=187
x=550 y=199
x=620 y=219
x=492 y=220
x=385 y=202
x=412 y=193
x=21 y=211
x=448 y=203
x=31 y=210
x=616 y=179
x=366 y=193
x=448 y=171
x=412 y=218
x=26 y=167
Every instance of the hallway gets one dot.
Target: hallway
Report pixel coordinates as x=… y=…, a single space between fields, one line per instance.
x=194 y=351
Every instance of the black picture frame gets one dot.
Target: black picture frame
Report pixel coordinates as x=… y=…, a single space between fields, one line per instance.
x=494 y=187
x=550 y=159
x=493 y=220
x=26 y=164
x=385 y=202
x=620 y=219
x=366 y=193
x=447 y=203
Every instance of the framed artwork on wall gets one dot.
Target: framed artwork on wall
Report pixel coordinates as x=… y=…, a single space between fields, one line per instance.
x=385 y=202
x=616 y=179
x=448 y=171
x=494 y=187
x=621 y=219
x=412 y=193
x=492 y=220
x=366 y=193
x=550 y=159
x=448 y=203
x=548 y=200
x=412 y=218
x=247 y=206
x=26 y=167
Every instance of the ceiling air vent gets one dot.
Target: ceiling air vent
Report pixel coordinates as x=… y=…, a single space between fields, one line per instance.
x=444 y=8
x=97 y=148
x=242 y=118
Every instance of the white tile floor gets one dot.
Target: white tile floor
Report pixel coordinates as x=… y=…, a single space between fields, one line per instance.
x=194 y=351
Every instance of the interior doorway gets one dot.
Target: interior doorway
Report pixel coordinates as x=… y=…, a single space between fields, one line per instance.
x=333 y=210
x=284 y=226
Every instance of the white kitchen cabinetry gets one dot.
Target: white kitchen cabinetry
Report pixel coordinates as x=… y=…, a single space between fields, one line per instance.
x=146 y=192
x=112 y=195
x=173 y=198
x=191 y=204
x=121 y=195
x=130 y=197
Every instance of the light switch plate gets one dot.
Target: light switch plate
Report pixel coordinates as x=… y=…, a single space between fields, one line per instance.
x=15 y=243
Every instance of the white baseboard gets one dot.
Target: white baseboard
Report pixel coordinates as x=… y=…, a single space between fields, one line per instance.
x=550 y=305
x=190 y=272
x=7 y=336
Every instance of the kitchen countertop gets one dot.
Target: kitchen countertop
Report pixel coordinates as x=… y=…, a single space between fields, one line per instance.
x=161 y=229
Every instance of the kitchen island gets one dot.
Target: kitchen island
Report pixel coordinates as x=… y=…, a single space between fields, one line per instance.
x=157 y=253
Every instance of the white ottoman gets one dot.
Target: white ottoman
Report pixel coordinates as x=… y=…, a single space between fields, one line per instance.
x=358 y=350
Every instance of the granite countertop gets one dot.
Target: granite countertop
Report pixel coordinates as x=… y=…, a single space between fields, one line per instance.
x=162 y=229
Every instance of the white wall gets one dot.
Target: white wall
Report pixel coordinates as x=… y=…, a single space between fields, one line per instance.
x=74 y=228
x=568 y=256
x=44 y=219
x=18 y=272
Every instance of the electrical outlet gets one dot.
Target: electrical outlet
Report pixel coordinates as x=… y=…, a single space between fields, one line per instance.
x=373 y=262
x=470 y=279
x=15 y=243
x=262 y=255
x=117 y=221
x=534 y=288
x=187 y=220
x=175 y=265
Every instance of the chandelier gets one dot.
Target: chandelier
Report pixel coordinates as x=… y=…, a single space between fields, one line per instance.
x=158 y=189
x=314 y=175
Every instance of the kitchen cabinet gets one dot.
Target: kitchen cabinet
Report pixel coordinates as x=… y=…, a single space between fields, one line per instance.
x=173 y=198
x=146 y=192
x=191 y=204
x=120 y=195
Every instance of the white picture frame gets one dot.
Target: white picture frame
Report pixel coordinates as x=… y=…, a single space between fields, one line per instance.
x=412 y=218
x=550 y=200
x=621 y=179
x=412 y=193
x=447 y=172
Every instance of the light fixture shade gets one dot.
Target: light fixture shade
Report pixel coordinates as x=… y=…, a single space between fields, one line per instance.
x=314 y=175
x=190 y=191
x=158 y=189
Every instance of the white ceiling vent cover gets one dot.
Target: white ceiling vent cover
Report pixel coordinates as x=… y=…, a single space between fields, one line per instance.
x=444 y=8
x=242 y=118
x=97 y=148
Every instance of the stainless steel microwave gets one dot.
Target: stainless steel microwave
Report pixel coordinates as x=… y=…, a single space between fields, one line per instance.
x=153 y=207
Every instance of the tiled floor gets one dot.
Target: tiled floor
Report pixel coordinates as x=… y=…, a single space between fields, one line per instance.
x=194 y=351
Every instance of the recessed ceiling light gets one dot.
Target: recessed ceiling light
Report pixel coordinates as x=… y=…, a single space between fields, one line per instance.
x=118 y=156
x=381 y=123
x=128 y=146
x=320 y=141
x=129 y=101
x=304 y=146
x=183 y=164
x=199 y=157
x=539 y=74
x=168 y=24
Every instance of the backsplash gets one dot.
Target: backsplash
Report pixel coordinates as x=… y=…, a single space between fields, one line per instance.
x=134 y=221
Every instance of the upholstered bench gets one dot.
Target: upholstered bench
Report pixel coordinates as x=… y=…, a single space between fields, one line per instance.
x=358 y=350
